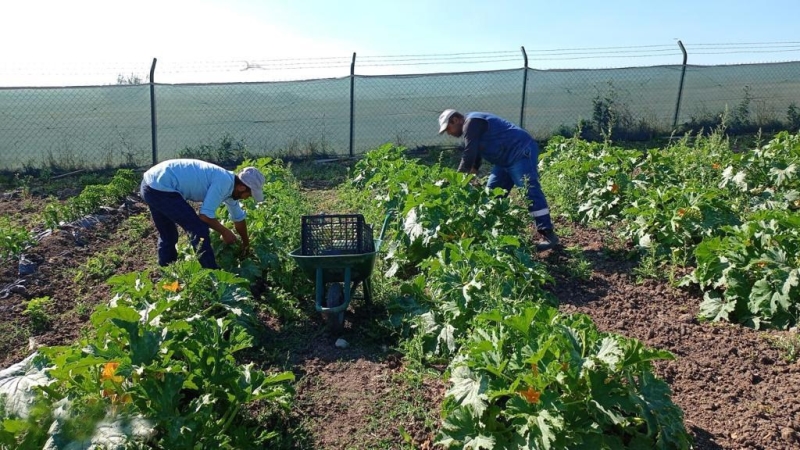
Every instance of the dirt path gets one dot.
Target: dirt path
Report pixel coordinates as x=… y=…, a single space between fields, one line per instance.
x=359 y=397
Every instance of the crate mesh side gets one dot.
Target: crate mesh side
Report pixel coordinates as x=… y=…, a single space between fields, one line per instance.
x=343 y=234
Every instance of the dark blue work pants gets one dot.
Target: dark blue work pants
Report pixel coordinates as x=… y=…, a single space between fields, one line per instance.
x=523 y=173
x=168 y=210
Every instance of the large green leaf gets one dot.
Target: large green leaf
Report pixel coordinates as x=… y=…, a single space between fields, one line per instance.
x=17 y=385
x=715 y=307
x=664 y=418
x=460 y=430
x=479 y=442
x=610 y=352
x=145 y=344
x=550 y=427
x=446 y=338
x=468 y=389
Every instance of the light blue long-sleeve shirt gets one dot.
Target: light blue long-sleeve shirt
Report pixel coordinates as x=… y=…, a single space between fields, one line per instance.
x=197 y=181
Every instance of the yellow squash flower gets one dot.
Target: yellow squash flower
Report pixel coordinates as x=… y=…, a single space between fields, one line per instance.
x=108 y=372
x=172 y=287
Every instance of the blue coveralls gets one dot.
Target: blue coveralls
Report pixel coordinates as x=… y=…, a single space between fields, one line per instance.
x=514 y=154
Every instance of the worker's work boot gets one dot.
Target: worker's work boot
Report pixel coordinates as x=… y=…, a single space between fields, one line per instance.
x=549 y=240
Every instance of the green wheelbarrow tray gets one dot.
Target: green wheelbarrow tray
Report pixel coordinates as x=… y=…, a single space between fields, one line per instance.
x=349 y=269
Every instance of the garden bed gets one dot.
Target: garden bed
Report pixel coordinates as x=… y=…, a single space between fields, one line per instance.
x=738 y=388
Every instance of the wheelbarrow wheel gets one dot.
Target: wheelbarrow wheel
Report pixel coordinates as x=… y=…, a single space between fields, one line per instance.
x=333 y=298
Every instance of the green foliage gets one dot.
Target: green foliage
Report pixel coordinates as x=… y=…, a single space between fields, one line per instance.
x=578 y=266
x=673 y=202
x=471 y=298
x=751 y=274
x=793 y=117
x=14 y=336
x=316 y=147
x=316 y=174
x=437 y=205
x=695 y=199
x=165 y=352
x=100 y=267
x=137 y=227
x=14 y=239
x=740 y=119
x=565 y=165
x=463 y=280
x=789 y=346
x=540 y=380
x=26 y=433
x=608 y=112
x=124 y=182
x=36 y=311
x=274 y=229
x=675 y=218
x=659 y=197
x=767 y=177
x=612 y=118
x=606 y=184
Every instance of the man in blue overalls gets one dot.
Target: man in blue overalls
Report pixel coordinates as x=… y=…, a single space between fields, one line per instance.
x=514 y=154
x=167 y=186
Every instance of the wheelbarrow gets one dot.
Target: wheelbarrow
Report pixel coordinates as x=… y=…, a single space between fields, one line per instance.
x=338 y=253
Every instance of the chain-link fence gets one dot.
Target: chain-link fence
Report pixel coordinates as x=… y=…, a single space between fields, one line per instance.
x=108 y=126
x=67 y=128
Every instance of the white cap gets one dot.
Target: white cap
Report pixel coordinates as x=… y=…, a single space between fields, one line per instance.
x=444 y=119
x=253 y=179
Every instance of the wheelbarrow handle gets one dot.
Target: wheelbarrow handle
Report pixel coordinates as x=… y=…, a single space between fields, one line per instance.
x=389 y=215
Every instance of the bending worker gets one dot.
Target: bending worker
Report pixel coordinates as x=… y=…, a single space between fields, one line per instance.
x=168 y=185
x=514 y=154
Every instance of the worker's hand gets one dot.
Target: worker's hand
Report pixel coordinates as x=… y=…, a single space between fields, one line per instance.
x=244 y=250
x=476 y=181
x=228 y=237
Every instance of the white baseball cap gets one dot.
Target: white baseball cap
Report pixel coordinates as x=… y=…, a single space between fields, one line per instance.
x=444 y=119
x=253 y=179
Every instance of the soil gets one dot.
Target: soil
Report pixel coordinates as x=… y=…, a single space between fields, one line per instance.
x=738 y=390
x=54 y=262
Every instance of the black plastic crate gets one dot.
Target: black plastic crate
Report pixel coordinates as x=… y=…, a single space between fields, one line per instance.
x=336 y=234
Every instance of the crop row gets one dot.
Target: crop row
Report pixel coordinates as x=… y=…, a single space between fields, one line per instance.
x=729 y=215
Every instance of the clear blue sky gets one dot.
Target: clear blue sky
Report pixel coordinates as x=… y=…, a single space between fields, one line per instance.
x=79 y=41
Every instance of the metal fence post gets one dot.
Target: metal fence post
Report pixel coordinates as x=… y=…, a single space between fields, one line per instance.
x=352 y=101
x=153 y=127
x=524 y=88
x=680 y=86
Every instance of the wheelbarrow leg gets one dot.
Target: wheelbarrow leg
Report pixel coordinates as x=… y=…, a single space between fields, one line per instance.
x=348 y=288
x=367 y=287
x=320 y=291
